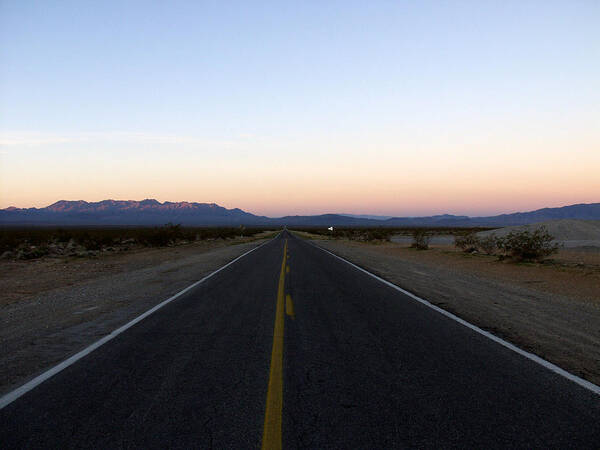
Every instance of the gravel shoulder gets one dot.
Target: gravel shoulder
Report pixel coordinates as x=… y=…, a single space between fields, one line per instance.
x=550 y=310
x=52 y=308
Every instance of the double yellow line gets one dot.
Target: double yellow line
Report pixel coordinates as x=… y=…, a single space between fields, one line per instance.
x=272 y=427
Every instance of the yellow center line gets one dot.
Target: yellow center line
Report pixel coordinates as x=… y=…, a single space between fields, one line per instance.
x=272 y=428
x=289 y=306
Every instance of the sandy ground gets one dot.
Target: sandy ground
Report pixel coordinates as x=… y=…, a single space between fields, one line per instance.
x=560 y=229
x=552 y=310
x=580 y=235
x=570 y=233
x=52 y=308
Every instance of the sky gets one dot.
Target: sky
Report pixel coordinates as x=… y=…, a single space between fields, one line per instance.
x=385 y=107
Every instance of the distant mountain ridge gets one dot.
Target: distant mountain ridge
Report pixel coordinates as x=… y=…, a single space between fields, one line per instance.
x=128 y=212
x=367 y=216
x=153 y=212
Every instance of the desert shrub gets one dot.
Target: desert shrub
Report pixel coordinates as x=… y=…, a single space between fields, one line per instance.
x=488 y=244
x=93 y=240
x=384 y=232
x=33 y=252
x=420 y=239
x=529 y=246
x=161 y=236
x=376 y=234
x=468 y=243
x=35 y=242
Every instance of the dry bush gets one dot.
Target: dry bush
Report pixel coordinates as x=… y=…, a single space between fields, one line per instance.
x=468 y=243
x=36 y=242
x=529 y=246
x=420 y=239
x=488 y=244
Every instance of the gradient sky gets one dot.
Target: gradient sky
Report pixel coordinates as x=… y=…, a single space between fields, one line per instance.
x=384 y=107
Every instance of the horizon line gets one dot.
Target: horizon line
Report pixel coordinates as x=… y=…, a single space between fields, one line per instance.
x=374 y=216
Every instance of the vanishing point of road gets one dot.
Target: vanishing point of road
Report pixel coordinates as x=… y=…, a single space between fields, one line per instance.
x=290 y=347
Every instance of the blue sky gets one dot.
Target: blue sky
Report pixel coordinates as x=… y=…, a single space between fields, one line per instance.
x=300 y=107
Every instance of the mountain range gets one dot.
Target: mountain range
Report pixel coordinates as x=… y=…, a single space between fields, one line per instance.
x=153 y=212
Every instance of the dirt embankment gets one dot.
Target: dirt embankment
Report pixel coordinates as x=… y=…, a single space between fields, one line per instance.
x=52 y=308
x=552 y=310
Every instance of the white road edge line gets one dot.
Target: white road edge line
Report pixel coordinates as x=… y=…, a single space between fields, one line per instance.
x=541 y=361
x=18 y=392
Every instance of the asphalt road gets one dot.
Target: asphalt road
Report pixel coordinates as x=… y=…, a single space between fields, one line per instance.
x=319 y=355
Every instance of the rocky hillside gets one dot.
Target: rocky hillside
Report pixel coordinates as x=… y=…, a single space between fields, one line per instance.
x=129 y=212
x=153 y=212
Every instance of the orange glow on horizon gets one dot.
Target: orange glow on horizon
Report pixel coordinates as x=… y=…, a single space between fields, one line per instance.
x=456 y=177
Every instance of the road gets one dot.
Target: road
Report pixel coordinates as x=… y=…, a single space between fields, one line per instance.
x=291 y=347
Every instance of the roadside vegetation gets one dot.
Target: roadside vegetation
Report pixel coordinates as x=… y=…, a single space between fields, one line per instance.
x=36 y=242
x=518 y=245
x=421 y=239
x=381 y=234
